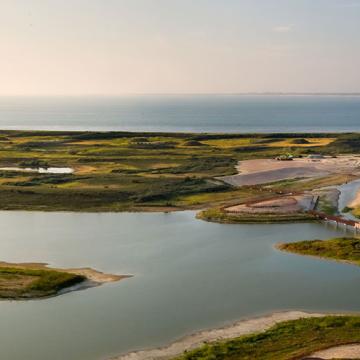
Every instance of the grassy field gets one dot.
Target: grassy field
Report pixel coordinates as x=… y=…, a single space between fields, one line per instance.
x=340 y=249
x=290 y=340
x=118 y=171
x=26 y=283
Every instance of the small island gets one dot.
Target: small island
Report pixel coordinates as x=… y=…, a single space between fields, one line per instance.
x=35 y=280
x=338 y=249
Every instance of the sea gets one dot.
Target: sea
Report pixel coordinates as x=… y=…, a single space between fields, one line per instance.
x=184 y=113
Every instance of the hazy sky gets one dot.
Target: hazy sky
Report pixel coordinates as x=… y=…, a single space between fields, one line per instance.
x=74 y=47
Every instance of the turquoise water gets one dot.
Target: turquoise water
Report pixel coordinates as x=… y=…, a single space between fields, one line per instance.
x=189 y=275
x=199 y=113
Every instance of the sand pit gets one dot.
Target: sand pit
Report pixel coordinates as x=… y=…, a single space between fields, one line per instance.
x=278 y=205
x=262 y=171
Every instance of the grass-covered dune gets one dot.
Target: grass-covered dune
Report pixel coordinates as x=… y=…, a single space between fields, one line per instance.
x=27 y=283
x=340 y=249
x=121 y=171
x=290 y=340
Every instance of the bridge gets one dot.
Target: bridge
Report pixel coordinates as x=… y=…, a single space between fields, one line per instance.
x=337 y=219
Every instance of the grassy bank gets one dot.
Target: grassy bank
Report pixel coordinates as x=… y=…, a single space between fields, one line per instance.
x=353 y=210
x=340 y=249
x=120 y=171
x=220 y=216
x=26 y=283
x=289 y=340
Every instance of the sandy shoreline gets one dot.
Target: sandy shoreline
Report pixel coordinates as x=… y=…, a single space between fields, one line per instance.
x=242 y=327
x=93 y=278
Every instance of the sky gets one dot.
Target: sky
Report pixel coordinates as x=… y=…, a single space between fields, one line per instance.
x=114 y=47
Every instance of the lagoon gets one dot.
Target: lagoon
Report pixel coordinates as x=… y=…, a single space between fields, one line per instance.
x=188 y=275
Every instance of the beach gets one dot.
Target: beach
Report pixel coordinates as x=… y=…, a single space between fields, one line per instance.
x=240 y=328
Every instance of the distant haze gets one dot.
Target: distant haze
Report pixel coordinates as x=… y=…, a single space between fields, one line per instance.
x=111 y=47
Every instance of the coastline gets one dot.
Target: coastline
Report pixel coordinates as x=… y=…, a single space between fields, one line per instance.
x=237 y=329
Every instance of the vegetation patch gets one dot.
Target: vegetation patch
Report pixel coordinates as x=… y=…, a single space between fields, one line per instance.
x=34 y=163
x=326 y=206
x=193 y=143
x=221 y=216
x=340 y=249
x=356 y=212
x=300 y=141
x=27 y=283
x=173 y=188
x=51 y=179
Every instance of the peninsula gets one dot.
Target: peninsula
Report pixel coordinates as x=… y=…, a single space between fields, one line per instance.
x=34 y=280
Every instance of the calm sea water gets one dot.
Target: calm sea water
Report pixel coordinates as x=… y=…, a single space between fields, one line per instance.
x=198 y=113
x=189 y=275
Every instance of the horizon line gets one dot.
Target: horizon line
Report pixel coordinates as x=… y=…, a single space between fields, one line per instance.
x=265 y=93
